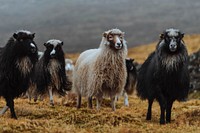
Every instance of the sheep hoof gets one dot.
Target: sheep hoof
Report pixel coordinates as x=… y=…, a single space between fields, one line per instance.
x=14 y=117
x=51 y=103
x=162 y=122
x=90 y=107
x=148 y=118
x=35 y=100
x=126 y=103
x=113 y=108
x=168 y=121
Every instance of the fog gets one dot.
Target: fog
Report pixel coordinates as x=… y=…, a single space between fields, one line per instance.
x=80 y=23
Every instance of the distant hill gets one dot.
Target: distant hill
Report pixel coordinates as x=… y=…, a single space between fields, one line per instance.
x=80 y=23
x=140 y=53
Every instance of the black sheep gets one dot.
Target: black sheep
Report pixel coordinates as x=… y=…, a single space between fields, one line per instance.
x=17 y=61
x=164 y=76
x=130 y=81
x=49 y=72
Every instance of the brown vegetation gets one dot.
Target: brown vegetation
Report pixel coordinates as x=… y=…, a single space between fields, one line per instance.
x=64 y=117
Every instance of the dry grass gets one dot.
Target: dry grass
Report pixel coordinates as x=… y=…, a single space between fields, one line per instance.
x=64 y=117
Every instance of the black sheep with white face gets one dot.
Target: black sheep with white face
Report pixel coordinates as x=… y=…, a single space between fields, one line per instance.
x=17 y=61
x=164 y=75
x=50 y=70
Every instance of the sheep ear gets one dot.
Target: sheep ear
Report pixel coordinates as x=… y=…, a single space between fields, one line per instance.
x=182 y=35
x=162 y=36
x=132 y=59
x=62 y=43
x=15 y=35
x=33 y=35
x=45 y=44
x=105 y=34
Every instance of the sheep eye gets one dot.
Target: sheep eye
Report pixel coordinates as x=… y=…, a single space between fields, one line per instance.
x=177 y=38
x=121 y=37
x=167 y=38
x=50 y=47
x=58 y=47
x=110 y=38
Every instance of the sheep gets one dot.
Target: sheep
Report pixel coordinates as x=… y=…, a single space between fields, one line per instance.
x=102 y=72
x=49 y=74
x=69 y=68
x=69 y=65
x=164 y=75
x=131 y=80
x=32 y=86
x=17 y=59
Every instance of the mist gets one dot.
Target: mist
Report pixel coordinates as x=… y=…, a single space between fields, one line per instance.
x=80 y=23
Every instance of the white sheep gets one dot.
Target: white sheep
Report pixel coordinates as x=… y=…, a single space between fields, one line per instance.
x=102 y=72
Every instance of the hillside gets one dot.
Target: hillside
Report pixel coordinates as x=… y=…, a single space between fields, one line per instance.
x=140 y=53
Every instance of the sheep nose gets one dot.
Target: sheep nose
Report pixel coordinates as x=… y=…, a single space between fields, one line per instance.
x=33 y=50
x=119 y=44
x=172 y=47
x=53 y=52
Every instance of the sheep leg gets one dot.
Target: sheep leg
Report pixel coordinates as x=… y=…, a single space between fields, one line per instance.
x=90 y=102
x=150 y=102
x=99 y=101
x=126 y=103
x=79 y=101
x=162 y=104
x=113 y=103
x=5 y=108
x=28 y=93
x=51 y=96
x=35 y=95
x=10 y=104
x=168 y=111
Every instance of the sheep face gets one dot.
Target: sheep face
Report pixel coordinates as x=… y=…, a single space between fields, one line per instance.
x=129 y=64
x=115 y=38
x=53 y=48
x=172 y=39
x=24 y=41
x=69 y=65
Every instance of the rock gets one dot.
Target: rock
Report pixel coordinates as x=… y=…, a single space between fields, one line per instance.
x=194 y=68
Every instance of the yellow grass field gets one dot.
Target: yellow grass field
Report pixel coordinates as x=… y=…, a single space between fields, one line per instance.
x=64 y=117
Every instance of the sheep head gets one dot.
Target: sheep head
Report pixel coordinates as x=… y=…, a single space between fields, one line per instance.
x=24 y=41
x=172 y=39
x=53 y=48
x=129 y=64
x=115 y=38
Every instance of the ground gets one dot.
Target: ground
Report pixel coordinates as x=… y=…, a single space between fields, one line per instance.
x=64 y=117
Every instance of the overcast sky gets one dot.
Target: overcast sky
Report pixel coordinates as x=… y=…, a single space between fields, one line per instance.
x=80 y=23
